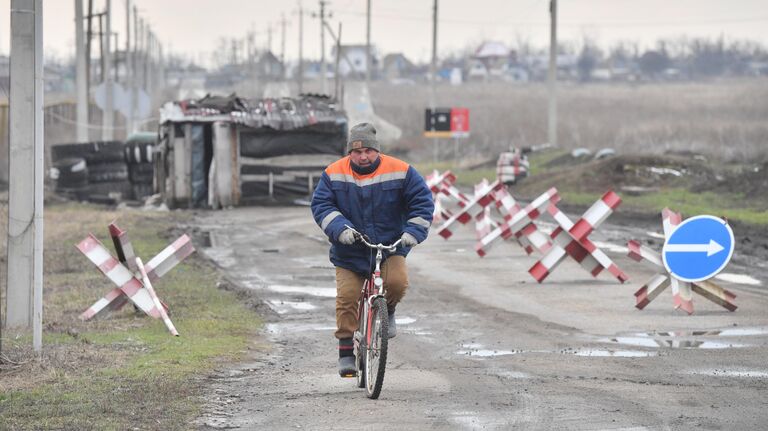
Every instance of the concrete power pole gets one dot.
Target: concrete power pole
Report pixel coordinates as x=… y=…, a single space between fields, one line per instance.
x=336 y=74
x=301 y=49
x=135 y=68
x=552 y=76
x=81 y=75
x=433 y=66
x=128 y=68
x=433 y=78
x=368 y=62
x=283 y=23
x=107 y=132
x=25 y=188
x=323 y=70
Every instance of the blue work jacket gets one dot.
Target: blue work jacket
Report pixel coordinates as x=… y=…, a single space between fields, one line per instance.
x=382 y=204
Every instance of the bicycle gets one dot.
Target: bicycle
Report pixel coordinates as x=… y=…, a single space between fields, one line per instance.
x=370 y=338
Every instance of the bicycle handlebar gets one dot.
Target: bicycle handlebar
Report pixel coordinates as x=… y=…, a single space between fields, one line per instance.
x=360 y=237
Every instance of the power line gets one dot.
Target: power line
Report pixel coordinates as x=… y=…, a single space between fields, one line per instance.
x=617 y=24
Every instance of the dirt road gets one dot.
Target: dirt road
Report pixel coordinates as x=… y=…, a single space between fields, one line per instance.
x=481 y=345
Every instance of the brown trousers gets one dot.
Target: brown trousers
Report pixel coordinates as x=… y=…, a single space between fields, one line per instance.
x=349 y=285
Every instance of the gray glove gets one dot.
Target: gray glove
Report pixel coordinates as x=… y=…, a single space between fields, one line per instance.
x=347 y=237
x=408 y=240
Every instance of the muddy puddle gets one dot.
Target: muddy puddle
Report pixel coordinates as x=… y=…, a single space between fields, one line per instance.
x=479 y=351
x=724 y=338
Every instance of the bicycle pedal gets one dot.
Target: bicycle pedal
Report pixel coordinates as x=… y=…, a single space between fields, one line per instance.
x=349 y=375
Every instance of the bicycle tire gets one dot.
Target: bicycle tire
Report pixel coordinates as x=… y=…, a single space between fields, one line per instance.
x=376 y=351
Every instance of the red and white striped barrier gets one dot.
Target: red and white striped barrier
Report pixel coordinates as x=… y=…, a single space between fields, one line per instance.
x=511 y=166
x=441 y=186
x=129 y=285
x=473 y=209
x=155 y=299
x=682 y=292
x=530 y=238
x=571 y=239
x=483 y=222
x=520 y=224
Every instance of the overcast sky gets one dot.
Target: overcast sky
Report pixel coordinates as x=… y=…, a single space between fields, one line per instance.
x=192 y=27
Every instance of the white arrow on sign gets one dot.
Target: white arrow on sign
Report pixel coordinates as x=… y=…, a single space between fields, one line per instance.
x=711 y=248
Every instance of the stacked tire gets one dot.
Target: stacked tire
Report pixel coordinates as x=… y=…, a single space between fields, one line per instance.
x=141 y=170
x=105 y=169
x=71 y=175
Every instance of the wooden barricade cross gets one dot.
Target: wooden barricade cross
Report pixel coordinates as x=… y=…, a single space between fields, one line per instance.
x=682 y=291
x=442 y=187
x=125 y=272
x=473 y=208
x=518 y=223
x=571 y=239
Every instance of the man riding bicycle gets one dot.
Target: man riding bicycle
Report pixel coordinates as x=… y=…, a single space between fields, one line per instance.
x=383 y=198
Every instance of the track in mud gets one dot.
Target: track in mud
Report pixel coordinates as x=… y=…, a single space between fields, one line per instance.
x=480 y=344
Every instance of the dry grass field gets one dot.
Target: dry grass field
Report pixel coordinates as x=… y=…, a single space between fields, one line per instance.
x=725 y=120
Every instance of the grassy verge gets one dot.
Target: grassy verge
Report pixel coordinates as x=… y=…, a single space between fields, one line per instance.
x=124 y=371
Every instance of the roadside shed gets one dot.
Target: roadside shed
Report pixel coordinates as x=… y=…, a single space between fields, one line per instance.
x=228 y=151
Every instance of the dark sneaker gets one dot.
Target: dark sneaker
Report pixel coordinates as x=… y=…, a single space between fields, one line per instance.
x=347 y=366
x=392 y=329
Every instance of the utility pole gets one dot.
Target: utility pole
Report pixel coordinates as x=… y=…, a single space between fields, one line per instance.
x=337 y=75
x=128 y=68
x=102 y=56
x=135 y=68
x=88 y=39
x=107 y=132
x=301 y=49
x=433 y=66
x=433 y=76
x=552 y=76
x=282 y=44
x=80 y=75
x=25 y=179
x=323 y=70
x=269 y=38
x=368 y=62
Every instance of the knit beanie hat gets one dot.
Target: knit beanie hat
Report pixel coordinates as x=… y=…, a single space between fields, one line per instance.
x=362 y=135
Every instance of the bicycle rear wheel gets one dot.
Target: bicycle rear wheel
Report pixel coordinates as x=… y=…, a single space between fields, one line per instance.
x=376 y=350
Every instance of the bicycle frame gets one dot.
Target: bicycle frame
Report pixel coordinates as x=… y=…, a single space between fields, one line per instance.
x=373 y=286
x=372 y=290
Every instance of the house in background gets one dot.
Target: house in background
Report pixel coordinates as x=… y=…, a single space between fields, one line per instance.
x=489 y=61
x=396 y=68
x=269 y=67
x=354 y=54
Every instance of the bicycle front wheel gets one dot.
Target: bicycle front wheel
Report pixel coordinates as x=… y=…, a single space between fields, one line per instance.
x=376 y=350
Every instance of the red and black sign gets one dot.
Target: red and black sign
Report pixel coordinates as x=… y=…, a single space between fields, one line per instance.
x=446 y=123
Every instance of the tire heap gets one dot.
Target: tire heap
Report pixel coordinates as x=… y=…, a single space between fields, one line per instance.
x=102 y=171
x=141 y=171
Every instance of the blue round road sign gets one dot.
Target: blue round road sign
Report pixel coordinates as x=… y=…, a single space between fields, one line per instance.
x=698 y=248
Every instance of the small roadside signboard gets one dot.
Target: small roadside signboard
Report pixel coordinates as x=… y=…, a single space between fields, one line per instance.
x=446 y=123
x=699 y=248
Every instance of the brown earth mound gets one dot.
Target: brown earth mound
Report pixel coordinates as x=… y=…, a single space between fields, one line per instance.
x=752 y=182
x=629 y=174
